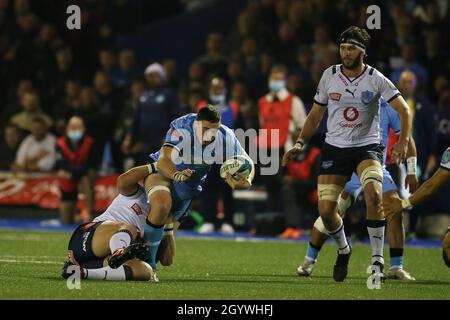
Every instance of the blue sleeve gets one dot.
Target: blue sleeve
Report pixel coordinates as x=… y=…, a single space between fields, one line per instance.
x=394 y=119
x=174 y=135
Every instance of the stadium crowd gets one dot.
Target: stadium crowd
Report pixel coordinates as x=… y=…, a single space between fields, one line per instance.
x=266 y=67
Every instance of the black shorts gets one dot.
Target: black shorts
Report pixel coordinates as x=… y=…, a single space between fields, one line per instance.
x=80 y=244
x=343 y=161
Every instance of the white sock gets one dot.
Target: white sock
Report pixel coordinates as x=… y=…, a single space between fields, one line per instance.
x=106 y=273
x=375 y=229
x=119 y=240
x=341 y=240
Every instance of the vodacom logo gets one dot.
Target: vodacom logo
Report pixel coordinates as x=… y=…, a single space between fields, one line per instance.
x=351 y=114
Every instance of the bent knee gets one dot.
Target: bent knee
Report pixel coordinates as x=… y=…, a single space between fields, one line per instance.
x=372 y=194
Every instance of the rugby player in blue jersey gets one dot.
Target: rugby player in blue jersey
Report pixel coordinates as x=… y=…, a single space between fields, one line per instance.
x=193 y=143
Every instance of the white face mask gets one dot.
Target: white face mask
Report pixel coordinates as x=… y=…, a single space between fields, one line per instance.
x=75 y=135
x=217 y=99
x=277 y=85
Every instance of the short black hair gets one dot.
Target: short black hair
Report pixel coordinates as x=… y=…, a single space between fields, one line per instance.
x=359 y=34
x=209 y=113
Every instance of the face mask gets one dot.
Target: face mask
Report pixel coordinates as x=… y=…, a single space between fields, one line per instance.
x=217 y=99
x=276 y=85
x=75 y=135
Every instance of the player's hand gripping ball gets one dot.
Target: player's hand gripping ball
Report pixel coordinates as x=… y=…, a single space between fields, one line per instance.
x=241 y=164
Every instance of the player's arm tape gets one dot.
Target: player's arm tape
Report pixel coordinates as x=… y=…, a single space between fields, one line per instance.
x=168 y=229
x=411 y=166
x=152 y=167
x=299 y=144
x=406 y=204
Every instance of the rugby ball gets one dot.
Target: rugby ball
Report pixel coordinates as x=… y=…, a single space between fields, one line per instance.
x=237 y=164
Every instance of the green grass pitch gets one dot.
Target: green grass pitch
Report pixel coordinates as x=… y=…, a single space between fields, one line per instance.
x=30 y=264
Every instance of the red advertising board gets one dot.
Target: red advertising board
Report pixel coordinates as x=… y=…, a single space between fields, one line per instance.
x=44 y=192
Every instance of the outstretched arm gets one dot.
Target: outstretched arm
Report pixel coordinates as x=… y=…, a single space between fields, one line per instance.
x=400 y=148
x=127 y=183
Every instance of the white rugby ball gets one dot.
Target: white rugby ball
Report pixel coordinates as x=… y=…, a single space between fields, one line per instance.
x=237 y=164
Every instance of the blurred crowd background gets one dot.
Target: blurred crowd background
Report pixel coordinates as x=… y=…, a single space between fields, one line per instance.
x=136 y=65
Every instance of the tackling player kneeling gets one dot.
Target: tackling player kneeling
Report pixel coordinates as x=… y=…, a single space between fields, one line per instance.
x=110 y=247
x=351 y=93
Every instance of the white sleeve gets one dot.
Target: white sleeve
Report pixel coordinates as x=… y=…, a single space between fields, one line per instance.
x=47 y=163
x=321 y=96
x=22 y=152
x=386 y=88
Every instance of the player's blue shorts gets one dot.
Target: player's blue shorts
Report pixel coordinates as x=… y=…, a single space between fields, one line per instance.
x=354 y=186
x=179 y=206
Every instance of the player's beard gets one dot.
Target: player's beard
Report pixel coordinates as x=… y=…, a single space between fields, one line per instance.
x=353 y=64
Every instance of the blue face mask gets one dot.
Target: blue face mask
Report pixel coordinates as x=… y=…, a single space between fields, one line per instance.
x=75 y=135
x=217 y=99
x=276 y=85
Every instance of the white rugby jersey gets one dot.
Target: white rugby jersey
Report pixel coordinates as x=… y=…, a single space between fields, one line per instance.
x=132 y=210
x=445 y=160
x=353 y=105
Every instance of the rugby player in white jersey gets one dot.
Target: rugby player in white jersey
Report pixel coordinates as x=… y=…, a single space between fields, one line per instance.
x=350 y=92
x=109 y=247
x=426 y=190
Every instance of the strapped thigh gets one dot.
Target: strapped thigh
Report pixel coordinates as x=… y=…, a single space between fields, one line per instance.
x=329 y=192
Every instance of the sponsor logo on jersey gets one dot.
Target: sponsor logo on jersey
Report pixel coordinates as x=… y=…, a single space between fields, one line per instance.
x=351 y=114
x=343 y=79
x=335 y=96
x=137 y=209
x=85 y=238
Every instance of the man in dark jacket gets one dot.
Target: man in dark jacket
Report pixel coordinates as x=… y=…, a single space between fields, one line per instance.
x=156 y=108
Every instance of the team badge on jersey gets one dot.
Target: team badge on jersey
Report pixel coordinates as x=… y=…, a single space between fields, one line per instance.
x=367 y=96
x=446 y=157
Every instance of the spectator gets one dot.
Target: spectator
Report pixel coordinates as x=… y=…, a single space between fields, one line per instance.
x=216 y=186
x=322 y=45
x=170 y=67
x=300 y=191
x=75 y=168
x=409 y=62
x=214 y=61
x=107 y=61
x=37 y=151
x=8 y=149
x=286 y=43
x=285 y=112
x=125 y=121
x=147 y=131
x=247 y=108
x=25 y=119
x=16 y=98
x=127 y=69
x=109 y=102
x=424 y=132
